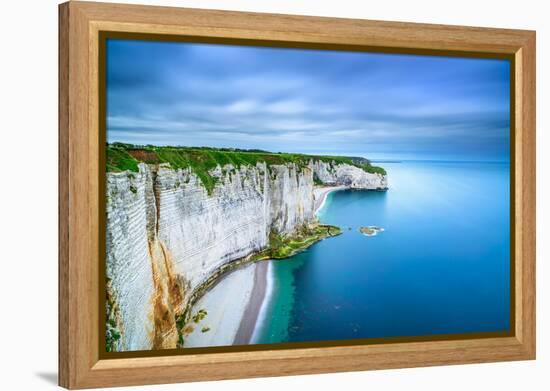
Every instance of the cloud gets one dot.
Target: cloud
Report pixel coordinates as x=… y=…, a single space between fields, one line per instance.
x=306 y=100
x=242 y=106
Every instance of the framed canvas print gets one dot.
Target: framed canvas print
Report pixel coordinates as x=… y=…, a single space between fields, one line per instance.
x=249 y=195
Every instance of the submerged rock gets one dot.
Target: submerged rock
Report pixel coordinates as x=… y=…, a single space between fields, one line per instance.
x=371 y=230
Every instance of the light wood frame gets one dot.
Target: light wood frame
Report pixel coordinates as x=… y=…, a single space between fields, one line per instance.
x=80 y=23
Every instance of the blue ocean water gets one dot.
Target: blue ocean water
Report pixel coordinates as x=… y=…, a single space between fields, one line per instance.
x=441 y=266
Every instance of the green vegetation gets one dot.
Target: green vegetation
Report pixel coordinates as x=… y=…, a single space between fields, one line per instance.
x=180 y=325
x=125 y=157
x=376 y=170
x=112 y=331
x=118 y=159
x=316 y=180
x=200 y=315
x=280 y=246
x=283 y=246
x=112 y=336
x=184 y=329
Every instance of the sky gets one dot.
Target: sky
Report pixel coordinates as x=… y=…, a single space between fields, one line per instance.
x=380 y=106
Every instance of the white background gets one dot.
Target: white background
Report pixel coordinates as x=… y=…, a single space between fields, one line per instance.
x=28 y=194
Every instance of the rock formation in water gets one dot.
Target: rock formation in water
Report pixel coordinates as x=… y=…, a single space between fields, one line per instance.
x=168 y=233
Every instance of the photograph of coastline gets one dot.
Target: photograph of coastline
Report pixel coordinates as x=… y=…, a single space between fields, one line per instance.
x=260 y=195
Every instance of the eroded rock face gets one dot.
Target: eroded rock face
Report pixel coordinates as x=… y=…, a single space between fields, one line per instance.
x=347 y=175
x=166 y=234
x=128 y=257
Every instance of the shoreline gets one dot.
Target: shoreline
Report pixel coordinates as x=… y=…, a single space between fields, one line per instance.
x=256 y=303
x=268 y=296
x=255 y=312
x=320 y=195
x=223 y=312
x=246 y=325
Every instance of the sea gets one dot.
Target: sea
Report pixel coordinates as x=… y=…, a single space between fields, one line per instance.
x=440 y=266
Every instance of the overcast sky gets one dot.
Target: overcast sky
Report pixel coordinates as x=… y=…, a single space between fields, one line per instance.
x=324 y=102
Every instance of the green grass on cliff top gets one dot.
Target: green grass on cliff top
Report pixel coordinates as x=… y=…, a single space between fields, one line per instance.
x=125 y=157
x=122 y=157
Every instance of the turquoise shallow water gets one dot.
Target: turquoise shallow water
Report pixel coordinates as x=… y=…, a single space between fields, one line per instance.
x=440 y=267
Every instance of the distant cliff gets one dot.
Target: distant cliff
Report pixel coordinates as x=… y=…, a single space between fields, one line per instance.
x=175 y=216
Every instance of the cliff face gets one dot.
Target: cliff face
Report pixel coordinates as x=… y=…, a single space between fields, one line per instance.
x=166 y=234
x=347 y=175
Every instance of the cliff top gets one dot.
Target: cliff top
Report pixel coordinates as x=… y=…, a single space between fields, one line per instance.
x=125 y=157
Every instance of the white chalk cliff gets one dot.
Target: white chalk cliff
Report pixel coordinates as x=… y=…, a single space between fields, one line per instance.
x=166 y=235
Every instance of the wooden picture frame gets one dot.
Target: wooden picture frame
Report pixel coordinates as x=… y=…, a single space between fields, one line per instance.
x=80 y=24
